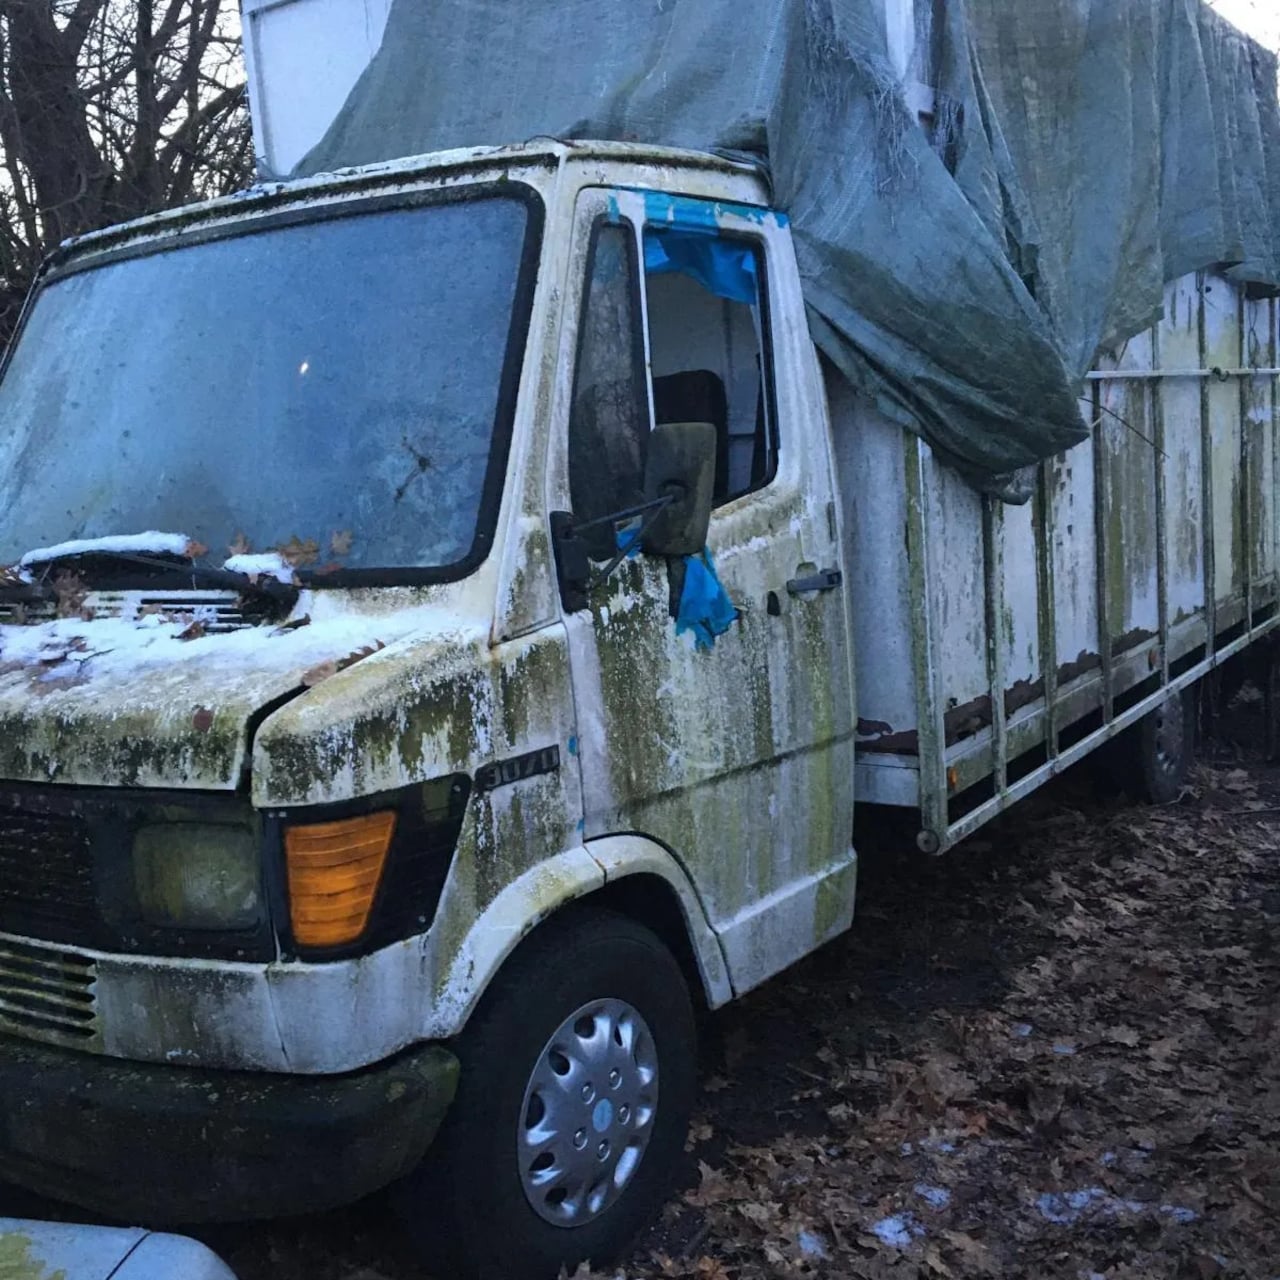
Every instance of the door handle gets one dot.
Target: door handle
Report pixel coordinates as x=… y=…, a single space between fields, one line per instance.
x=827 y=580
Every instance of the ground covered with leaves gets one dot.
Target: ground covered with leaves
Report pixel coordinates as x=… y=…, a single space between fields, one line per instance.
x=1055 y=1052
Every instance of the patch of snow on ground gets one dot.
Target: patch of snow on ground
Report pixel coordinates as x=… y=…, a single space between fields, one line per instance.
x=940 y=1145
x=812 y=1245
x=898 y=1230
x=1066 y=1208
x=936 y=1197
x=152 y=543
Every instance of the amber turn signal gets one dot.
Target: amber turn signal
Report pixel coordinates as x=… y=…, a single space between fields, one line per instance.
x=334 y=869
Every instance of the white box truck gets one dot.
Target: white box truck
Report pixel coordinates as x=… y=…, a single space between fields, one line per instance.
x=400 y=842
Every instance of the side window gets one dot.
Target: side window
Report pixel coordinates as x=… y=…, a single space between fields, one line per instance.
x=609 y=417
x=707 y=348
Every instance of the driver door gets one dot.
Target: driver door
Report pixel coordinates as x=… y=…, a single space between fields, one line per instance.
x=738 y=755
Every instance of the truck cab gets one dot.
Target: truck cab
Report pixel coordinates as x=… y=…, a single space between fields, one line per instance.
x=425 y=669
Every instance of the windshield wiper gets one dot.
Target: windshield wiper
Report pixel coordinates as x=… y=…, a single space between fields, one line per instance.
x=283 y=595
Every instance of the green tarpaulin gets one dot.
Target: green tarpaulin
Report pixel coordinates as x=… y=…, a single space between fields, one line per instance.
x=1080 y=154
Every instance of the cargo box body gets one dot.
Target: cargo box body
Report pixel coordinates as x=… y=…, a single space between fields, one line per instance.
x=996 y=643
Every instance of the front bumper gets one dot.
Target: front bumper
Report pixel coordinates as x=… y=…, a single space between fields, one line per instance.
x=166 y=1145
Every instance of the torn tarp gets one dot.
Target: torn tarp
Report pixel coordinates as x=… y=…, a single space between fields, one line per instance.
x=1079 y=154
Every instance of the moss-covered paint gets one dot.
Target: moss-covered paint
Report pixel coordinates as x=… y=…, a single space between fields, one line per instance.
x=17 y=1262
x=738 y=759
x=1129 y=520
x=144 y=708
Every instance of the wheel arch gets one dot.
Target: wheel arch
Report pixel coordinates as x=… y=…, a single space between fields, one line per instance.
x=628 y=874
x=646 y=882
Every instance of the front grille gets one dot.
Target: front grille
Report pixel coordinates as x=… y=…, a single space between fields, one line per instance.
x=16 y=613
x=46 y=875
x=216 y=613
x=46 y=994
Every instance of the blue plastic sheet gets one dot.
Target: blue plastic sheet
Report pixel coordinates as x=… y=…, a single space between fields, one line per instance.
x=705 y=607
x=726 y=267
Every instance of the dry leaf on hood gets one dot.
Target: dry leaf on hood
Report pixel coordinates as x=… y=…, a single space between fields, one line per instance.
x=298 y=553
x=323 y=670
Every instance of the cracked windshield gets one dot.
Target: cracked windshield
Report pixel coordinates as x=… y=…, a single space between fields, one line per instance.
x=332 y=391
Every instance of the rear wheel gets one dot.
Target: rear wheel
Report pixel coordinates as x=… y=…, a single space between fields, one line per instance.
x=578 y=1077
x=1165 y=747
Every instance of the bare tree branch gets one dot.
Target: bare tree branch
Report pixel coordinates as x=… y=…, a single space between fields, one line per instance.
x=110 y=109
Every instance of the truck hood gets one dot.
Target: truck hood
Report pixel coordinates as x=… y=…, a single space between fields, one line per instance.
x=131 y=702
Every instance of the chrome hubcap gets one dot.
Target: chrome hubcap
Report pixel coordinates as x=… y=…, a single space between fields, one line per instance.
x=588 y=1113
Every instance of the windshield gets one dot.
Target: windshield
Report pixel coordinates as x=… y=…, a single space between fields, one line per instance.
x=337 y=389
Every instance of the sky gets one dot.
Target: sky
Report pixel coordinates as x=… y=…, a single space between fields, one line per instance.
x=1260 y=18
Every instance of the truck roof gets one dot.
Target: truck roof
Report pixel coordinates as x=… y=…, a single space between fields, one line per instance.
x=538 y=153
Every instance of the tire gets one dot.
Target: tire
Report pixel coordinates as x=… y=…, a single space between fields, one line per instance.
x=633 y=1017
x=1165 y=748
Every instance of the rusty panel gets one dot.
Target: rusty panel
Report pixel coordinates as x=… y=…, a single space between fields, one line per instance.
x=1127 y=519
x=1184 y=489
x=1126 y=531
x=1019 y=633
x=1222 y=351
x=869 y=459
x=1257 y=408
x=956 y=595
x=1074 y=555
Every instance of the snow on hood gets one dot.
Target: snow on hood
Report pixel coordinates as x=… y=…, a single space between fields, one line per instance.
x=269 y=564
x=121 y=701
x=152 y=543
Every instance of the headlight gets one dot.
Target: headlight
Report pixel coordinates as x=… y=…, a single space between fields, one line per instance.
x=193 y=875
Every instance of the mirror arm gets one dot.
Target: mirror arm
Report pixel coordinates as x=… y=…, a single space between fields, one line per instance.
x=628 y=513
x=649 y=511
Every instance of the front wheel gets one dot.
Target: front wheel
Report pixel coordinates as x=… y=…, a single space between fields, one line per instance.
x=578 y=1077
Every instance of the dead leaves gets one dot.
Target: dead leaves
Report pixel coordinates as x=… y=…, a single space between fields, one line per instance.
x=325 y=670
x=70 y=592
x=299 y=554
x=1114 y=1067
x=713 y=1187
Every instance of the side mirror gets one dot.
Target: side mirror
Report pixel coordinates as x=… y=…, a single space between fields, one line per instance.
x=681 y=465
x=573 y=562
